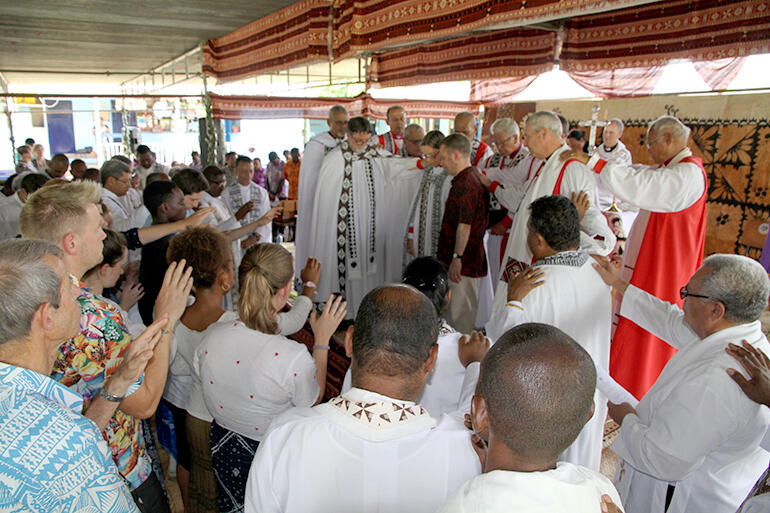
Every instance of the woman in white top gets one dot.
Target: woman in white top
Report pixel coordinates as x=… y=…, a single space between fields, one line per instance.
x=250 y=373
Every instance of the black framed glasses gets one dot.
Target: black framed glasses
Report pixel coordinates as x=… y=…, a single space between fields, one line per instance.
x=683 y=293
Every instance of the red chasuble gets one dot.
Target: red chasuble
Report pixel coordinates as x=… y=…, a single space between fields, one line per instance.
x=670 y=253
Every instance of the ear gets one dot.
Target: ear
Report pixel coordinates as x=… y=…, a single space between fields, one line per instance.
x=44 y=315
x=349 y=342
x=103 y=268
x=430 y=363
x=479 y=416
x=69 y=243
x=592 y=412
x=23 y=195
x=717 y=311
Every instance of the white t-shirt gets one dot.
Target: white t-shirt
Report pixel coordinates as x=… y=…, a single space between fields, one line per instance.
x=248 y=377
x=568 y=488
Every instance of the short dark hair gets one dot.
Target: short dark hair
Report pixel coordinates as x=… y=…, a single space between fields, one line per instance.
x=212 y=172
x=91 y=174
x=190 y=181
x=156 y=194
x=142 y=149
x=395 y=328
x=242 y=158
x=123 y=159
x=359 y=124
x=430 y=276
x=458 y=142
x=577 y=134
x=295 y=149
x=538 y=385
x=114 y=168
x=60 y=160
x=156 y=177
x=29 y=141
x=556 y=219
x=77 y=161
x=227 y=155
x=33 y=182
x=205 y=249
x=272 y=155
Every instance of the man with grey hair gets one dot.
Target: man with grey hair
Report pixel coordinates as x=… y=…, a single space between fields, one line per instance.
x=666 y=242
x=413 y=135
x=692 y=443
x=393 y=140
x=542 y=135
x=67 y=215
x=465 y=123
x=612 y=148
x=312 y=158
x=55 y=458
x=116 y=183
x=511 y=164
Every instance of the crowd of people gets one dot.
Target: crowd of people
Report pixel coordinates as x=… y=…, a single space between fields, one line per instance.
x=492 y=319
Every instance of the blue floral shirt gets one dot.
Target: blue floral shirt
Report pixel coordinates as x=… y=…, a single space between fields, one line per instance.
x=52 y=459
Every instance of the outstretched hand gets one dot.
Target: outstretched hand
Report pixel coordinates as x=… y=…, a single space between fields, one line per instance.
x=270 y=216
x=197 y=217
x=757 y=365
x=312 y=271
x=326 y=324
x=609 y=274
x=608 y=506
x=472 y=349
x=172 y=298
x=581 y=202
x=573 y=154
x=524 y=282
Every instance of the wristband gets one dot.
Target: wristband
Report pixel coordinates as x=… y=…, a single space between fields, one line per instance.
x=310 y=285
x=325 y=348
x=109 y=397
x=455 y=255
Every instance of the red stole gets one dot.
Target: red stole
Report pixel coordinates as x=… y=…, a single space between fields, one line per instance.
x=480 y=151
x=670 y=253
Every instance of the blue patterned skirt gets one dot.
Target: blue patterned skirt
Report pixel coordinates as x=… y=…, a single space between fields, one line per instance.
x=231 y=457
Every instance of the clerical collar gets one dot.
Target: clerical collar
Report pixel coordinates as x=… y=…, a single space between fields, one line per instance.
x=609 y=149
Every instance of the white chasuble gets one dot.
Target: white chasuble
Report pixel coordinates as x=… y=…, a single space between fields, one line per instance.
x=426 y=212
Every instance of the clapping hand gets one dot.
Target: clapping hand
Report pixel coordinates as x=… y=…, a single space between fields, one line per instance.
x=523 y=283
x=757 y=365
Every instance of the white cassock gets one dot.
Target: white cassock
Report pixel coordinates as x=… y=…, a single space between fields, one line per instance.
x=450 y=387
x=125 y=214
x=672 y=188
x=568 y=488
x=360 y=452
x=620 y=155
x=576 y=300
x=10 y=209
x=595 y=234
x=312 y=158
x=354 y=221
x=695 y=428
x=238 y=195
x=426 y=212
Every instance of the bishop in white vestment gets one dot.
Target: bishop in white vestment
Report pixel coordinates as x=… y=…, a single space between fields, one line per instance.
x=245 y=190
x=312 y=158
x=353 y=216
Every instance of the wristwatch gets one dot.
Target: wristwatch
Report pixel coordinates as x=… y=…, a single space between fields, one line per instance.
x=455 y=255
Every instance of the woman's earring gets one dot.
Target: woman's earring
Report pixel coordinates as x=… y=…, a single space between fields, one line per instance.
x=225 y=288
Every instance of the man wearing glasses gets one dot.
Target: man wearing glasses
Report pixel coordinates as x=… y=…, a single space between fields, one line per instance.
x=665 y=244
x=692 y=443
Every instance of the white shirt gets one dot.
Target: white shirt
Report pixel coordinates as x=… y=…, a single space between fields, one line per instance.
x=328 y=459
x=576 y=300
x=124 y=215
x=238 y=195
x=450 y=387
x=695 y=427
x=10 y=209
x=143 y=172
x=249 y=378
x=568 y=488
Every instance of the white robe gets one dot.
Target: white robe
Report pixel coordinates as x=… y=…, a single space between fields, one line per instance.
x=358 y=270
x=124 y=214
x=566 y=489
x=312 y=158
x=391 y=457
x=450 y=387
x=577 y=177
x=672 y=188
x=10 y=209
x=427 y=211
x=695 y=427
x=234 y=199
x=576 y=300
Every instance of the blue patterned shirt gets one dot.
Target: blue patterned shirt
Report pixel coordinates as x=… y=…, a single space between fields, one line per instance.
x=52 y=459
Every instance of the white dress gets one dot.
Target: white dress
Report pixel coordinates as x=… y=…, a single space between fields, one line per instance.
x=360 y=452
x=695 y=427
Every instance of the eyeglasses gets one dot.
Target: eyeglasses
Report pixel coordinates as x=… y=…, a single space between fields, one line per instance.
x=683 y=293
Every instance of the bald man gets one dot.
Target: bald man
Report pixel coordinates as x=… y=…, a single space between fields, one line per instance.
x=465 y=123
x=393 y=140
x=535 y=393
x=666 y=242
x=374 y=448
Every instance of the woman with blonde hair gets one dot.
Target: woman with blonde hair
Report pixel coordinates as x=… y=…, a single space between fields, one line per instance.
x=250 y=373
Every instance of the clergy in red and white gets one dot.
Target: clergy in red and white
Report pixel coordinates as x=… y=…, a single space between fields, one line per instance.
x=665 y=245
x=542 y=134
x=315 y=151
x=466 y=124
x=393 y=141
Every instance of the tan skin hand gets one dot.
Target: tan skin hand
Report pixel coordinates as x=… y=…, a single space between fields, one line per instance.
x=136 y=357
x=609 y=274
x=410 y=247
x=130 y=294
x=581 y=202
x=472 y=349
x=577 y=155
x=245 y=209
x=498 y=229
x=312 y=271
x=608 y=506
x=172 y=298
x=326 y=324
x=757 y=366
x=524 y=283
x=197 y=217
x=619 y=411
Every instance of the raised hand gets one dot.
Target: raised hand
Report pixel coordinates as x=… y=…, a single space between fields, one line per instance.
x=581 y=202
x=326 y=324
x=527 y=280
x=609 y=274
x=197 y=217
x=172 y=298
x=130 y=294
x=270 y=215
x=472 y=349
x=136 y=357
x=757 y=366
x=312 y=271
x=244 y=210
